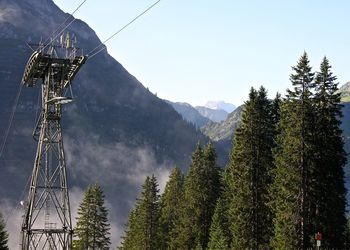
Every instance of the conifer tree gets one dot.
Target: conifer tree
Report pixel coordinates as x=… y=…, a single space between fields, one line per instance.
x=131 y=233
x=171 y=202
x=3 y=234
x=219 y=238
x=92 y=230
x=143 y=225
x=294 y=160
x=329 y=193
x=201 y=191
x=187 y=227
x=248 y=175
x=276 y=113
x=212 y=190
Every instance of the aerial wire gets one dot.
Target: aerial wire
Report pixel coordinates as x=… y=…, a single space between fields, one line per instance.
x=69 y=24
x=14 y=108
x=120 y=30
x=3 y=145
x=28 y=45
x=7 y=132
x=37 y=108
x=20 y=200
x=69 y=16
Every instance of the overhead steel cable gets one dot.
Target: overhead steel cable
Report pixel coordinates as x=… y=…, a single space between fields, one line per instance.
x=69 y=24
x=18 y=202
x=98 y=48
x=7 y=131
x=69 y=16
x=37 y=108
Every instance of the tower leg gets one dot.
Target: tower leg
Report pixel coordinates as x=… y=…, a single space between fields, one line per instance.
x=47 y=221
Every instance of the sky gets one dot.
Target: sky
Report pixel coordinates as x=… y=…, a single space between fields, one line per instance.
x=200 y=50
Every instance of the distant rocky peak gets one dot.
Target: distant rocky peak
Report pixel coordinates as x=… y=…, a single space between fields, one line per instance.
x=345 y=87
x=228 y=107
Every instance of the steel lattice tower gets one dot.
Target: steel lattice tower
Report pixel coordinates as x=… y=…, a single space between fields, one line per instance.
x=47 y=219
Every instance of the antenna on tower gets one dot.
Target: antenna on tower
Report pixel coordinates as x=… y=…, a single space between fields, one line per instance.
x=47 y=220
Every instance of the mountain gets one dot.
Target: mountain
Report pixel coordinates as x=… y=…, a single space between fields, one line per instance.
x=345 y=126
x=223 y=131
x=345 y=92
x=213 y=112
x=346 y=135
x=189 y=113
x=228 y=107
x=116 y=132
x=215 y=115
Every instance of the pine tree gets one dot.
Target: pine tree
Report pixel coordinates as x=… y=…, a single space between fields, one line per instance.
x=276 y=113
x=3 y=234
x=294 y=160
x=92 y=230
x=171 y=202
x=143 y=225
x=131 y=233
x=219 y=238
x=329 y=193
x=248 y=174
x=201 y=191
x=212 y=190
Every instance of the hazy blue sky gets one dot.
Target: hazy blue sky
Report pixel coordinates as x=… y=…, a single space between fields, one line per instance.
x=199 y=50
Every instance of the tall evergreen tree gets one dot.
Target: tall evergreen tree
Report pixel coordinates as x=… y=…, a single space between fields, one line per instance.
x=201 y=191
x=219 y=233
x=276 y=113
x=187 y=227
x=3 y=234
x=294 y=160
x=92 y=230
x=329 y=193
x=212 y=190
x=248 y=174
x=143 y=225
x=171 y=202
x=131 y=233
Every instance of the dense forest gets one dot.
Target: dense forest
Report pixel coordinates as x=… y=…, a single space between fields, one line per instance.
x=284 y=182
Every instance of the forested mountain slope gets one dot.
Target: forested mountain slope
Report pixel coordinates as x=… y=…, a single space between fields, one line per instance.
x=115 y=132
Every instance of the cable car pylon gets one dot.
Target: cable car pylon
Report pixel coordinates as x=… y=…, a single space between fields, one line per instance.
x=47 y=220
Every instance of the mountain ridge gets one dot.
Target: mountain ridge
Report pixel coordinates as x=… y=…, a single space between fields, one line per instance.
x=344 y=91
x=228 y=107
x=224 y=130
x=189 y=113
x=116 y=132
x=215 y=115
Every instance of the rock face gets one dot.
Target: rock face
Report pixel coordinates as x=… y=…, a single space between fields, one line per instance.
x=345 y=92
x=346 y=135
x=189 y=113
x=116 y=132
x=215 y=115
x=223 y=131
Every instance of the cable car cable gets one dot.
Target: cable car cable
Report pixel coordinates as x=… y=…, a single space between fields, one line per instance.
x=120 y=30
